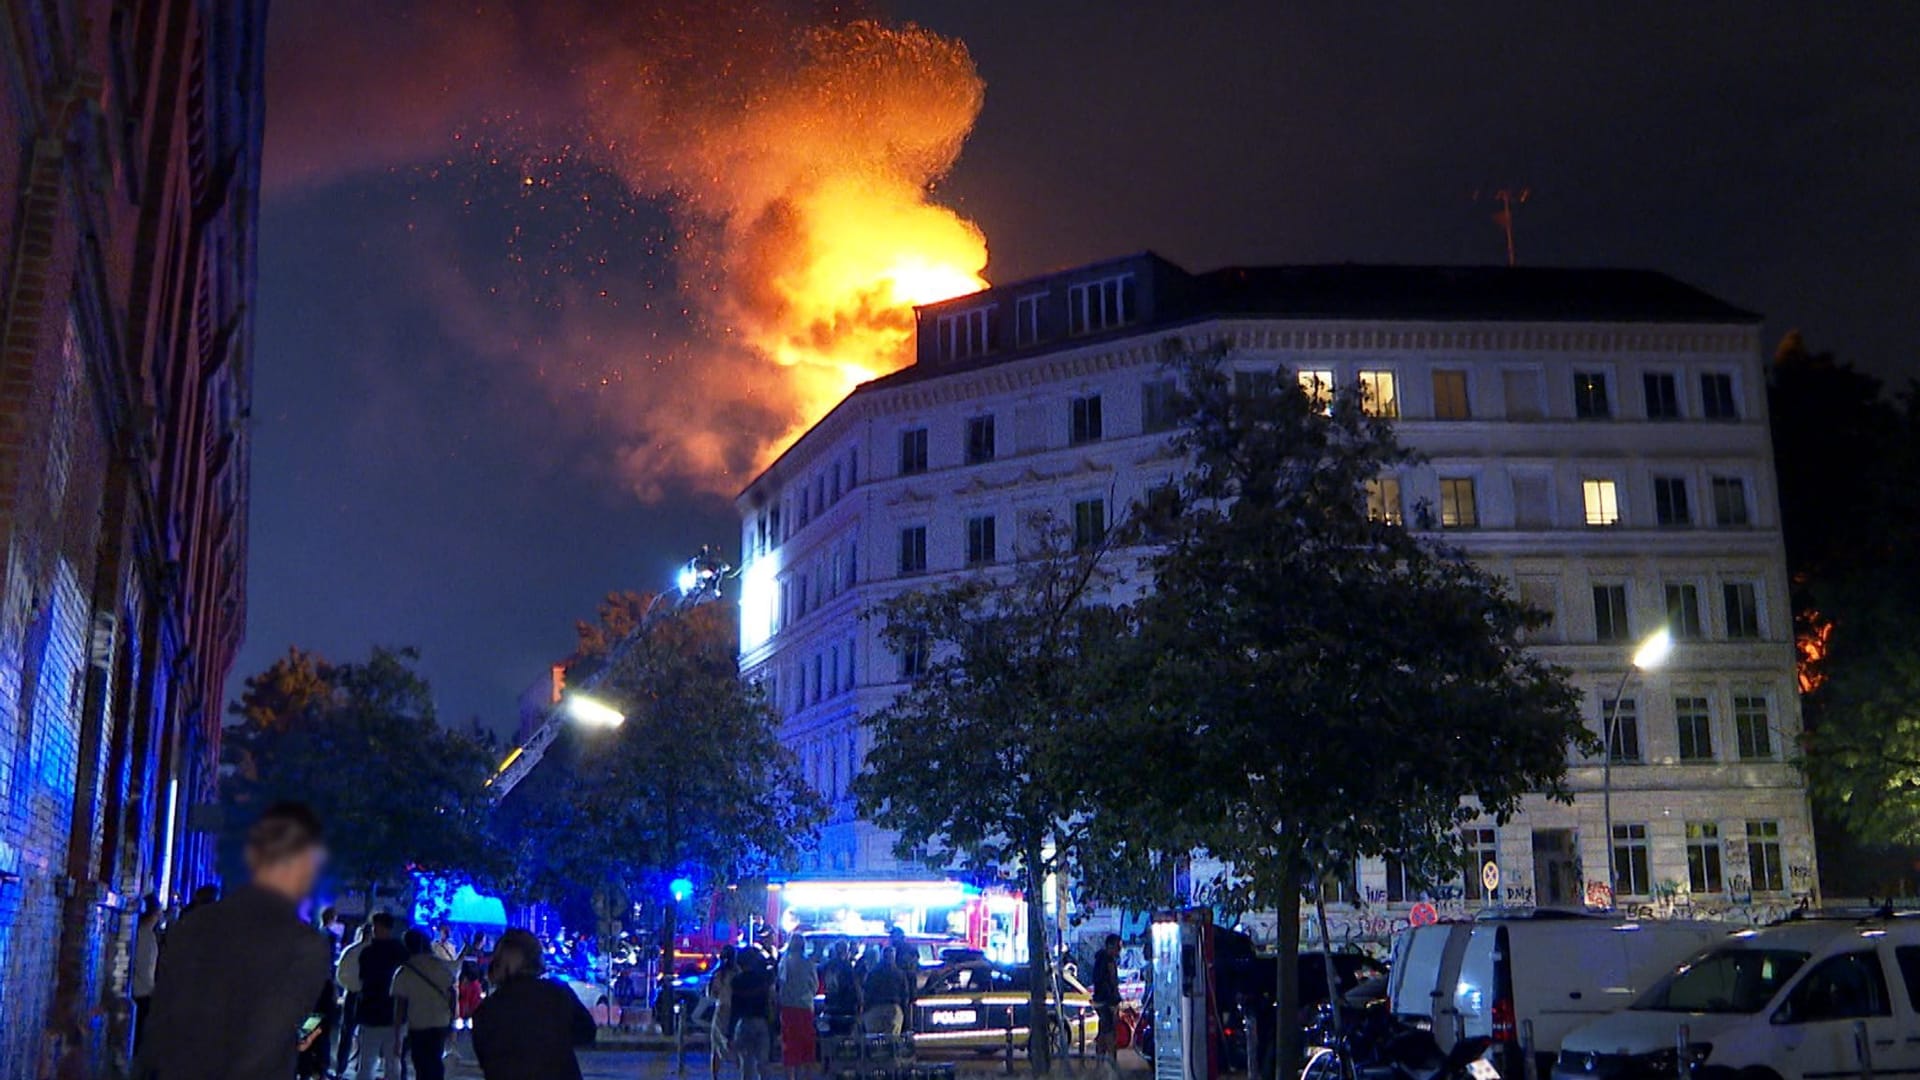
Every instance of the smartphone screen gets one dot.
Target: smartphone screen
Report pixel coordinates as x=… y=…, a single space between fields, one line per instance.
x=310 y=1024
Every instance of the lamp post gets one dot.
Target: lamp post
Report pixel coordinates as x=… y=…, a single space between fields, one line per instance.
x=1651 y=654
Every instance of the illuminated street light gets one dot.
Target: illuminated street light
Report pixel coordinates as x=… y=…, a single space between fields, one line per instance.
x=1652 y=653
x=594 y=713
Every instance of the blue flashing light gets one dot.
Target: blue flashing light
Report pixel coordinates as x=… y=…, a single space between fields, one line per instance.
x=680 y=888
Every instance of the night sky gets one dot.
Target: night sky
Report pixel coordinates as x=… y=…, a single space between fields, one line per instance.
x=462 y=373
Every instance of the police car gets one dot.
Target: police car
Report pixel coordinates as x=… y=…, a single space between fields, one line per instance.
x=974 y=1005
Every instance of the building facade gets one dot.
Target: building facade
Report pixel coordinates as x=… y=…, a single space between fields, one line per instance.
x=1597 y=438
x=129 y=179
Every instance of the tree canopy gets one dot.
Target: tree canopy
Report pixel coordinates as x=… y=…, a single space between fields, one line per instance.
x=983 y=759
x=695 y=783
x=1320 y=683
x=359 y=742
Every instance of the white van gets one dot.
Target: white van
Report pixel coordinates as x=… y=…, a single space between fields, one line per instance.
x=1810 y=998
x=1528 y=981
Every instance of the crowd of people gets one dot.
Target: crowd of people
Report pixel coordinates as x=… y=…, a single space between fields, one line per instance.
x=751 y=994
x=242 y=987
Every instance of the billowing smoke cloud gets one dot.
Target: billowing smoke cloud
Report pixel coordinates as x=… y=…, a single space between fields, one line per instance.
x=719 y=218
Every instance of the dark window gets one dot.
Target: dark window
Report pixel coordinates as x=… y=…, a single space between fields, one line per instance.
x=1753 y=726
x=913 y=549
x=980 y=440
x=1908 y=956
x=1084 y=420
x=1743 y=610
x=1632 y=874
x=1765 y=872
x=1693 y=722
x=1716 y=397
x=1663 y=395
x=1683 y=612
x=1704 y=874
x=1670 y=507
x=913 y=660
x=980 y=540
x=1259 y=384
x=1089 y=522
x=1478 y=848
x=1402 y=885
x=1157 y=411
x=913 y=451
x=1450 y=400
x=1845 y=987
x=1621 y=717
x=1099 y=305
x=1027 y=319
x=1590 y=396
x=1730 y=502
x=1610 y=613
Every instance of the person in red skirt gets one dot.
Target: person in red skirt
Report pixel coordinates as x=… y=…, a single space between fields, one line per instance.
x=798 y=982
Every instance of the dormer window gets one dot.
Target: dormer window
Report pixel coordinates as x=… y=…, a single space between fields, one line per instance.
x=1093 y=306
x=1026 y=319
x=963 y=334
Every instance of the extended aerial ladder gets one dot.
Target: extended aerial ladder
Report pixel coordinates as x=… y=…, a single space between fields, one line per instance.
x=698 y=582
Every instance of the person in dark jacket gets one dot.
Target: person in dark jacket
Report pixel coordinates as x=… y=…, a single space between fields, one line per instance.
x=528 y=1027
x=238 y=980
x=1106 y=998
x=379 y=1037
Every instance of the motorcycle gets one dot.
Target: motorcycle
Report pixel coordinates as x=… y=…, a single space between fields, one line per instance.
x=1372 y=1046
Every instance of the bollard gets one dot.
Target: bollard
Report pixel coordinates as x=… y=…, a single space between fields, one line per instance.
x=1529 y=1065
x=1009 y=1040
x=679 y=1040
x=1863 y=1049
x=1682 y=1039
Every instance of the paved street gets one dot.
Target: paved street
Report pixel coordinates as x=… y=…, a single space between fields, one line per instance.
x=655 y=1065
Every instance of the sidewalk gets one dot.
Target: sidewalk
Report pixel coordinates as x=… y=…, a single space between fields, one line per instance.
x=629 y=1064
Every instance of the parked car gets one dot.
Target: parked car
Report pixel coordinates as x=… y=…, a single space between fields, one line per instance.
x=971 y=1005
x=1809 y=998
x=593 y=995
x=1528 y=980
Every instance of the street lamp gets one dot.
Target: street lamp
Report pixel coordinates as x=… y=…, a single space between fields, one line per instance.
x=1652 y=653
x=593 y=712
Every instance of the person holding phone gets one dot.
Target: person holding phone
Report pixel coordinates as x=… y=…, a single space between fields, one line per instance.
x=423 y=1006
x=236 y=984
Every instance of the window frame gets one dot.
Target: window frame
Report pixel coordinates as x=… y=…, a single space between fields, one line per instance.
x=1693 y=723
x=1450 y=491
x=1665 y=504
x=983 y=542
x=1600 y=502
x=1637 y=865
x=1465 y=397
x=913 y=450
x=1372 y=402
x=913 y=550
x=972 y=450
x=1709 y=875
x=1715 y=406
x=1673 y=410
x=1624 y=613
x=1085 y=423
x=1592 y=396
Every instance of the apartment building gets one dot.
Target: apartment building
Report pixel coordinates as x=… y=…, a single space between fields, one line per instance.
x=1596 y=437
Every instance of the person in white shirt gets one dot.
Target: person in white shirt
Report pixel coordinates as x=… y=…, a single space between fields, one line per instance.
x=444 y=950
x=146 y=958
x=347 y=974
x=423 y=1006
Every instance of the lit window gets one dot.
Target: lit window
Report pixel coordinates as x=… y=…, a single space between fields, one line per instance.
x=1590 y=396
x=1670 y=509
x=1704 y=874
x=1383 y=500
x=1458 y=510
x=1377 y=394
x=1099 y=305
x=964 y=333
x=1317 y=384
x=1083 y=424
x=1716 y=397
x=1450 y=396
x=1602 y=499
x=1693 y=723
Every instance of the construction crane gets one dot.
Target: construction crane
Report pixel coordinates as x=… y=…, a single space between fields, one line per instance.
x=697 y=582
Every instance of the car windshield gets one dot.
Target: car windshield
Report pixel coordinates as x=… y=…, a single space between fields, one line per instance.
x=1723 y=981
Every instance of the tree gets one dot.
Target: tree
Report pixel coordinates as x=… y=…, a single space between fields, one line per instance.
x=1323 y=684
x=695 y=783
x=983 y=757
x=359 y=742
